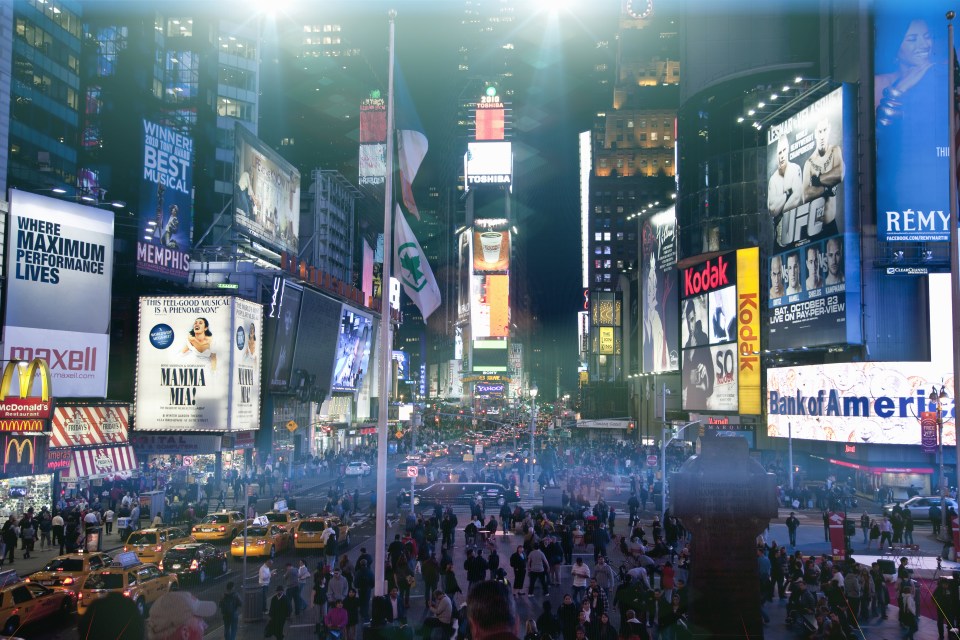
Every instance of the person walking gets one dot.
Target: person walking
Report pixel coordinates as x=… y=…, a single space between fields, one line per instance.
x=230 y=606
x=792 y=525
x=279 y=612
x=264 y=576
x=518 y=562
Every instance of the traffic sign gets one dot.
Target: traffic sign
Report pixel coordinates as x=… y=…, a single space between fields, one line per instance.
x=652 y=460
x=291 y=426
x=412 y=472
x=188 y=461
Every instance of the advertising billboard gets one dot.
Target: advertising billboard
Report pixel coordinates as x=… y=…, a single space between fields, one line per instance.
x=814 y=252
x=373 y=164
x=266 y=193
x=59 y=275
x=281 y=324
x=316 y=342
x=353 y=350
x=198 y=364
x=489 y=163
x=88 y=425
x=166 y=203
x=491 y=251
x=490 y=121
x=911 y=63
x=490 y=306
x=709 y=333
x=869 y=402
x=660 y=292
x=490 y=355
x=748 y=330
x=465 y=272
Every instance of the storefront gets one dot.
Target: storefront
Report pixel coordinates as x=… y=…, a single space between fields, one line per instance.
x=183 y=459
x=27 y=474
x=902 y=480
x=725 y=427
x=96 y=436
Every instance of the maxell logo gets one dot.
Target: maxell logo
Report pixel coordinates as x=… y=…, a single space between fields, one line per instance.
x=68 y=359
x=706 y=278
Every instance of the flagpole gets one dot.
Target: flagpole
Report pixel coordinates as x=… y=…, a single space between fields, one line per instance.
x=386 y=340
x=954 y=247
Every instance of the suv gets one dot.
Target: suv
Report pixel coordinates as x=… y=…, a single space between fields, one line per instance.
x=69 y=570
x=452 y=493
x=151 y=544
x=142 y=583
x=306 y=535
x=285 y=519
x=25 y=602
x=223 y=526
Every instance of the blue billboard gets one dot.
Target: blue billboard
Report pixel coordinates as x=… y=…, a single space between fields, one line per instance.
x=910 y=88
x=166 y=203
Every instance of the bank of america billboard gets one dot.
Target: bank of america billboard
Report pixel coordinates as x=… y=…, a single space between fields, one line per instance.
x=198 y=364
x=911 y=63
x=266 y=193
x=166 y=203
x=814 y=251
x=59 y=275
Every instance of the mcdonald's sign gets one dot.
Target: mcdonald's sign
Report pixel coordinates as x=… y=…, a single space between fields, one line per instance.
x=24 y=405
x=23 y=455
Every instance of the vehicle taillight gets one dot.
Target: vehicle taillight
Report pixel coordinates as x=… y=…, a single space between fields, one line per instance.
x=222 y=529
x=27 y=580
x=68 y=580
x=80 y=595
x=296 y=535
x=126 y=548
x=160 y=566
x=158 y=548
x=194 y=565
x=126 y=592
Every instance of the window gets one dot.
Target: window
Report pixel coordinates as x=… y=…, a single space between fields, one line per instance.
x=607 y=264
x=598 y=278
x=606 y=250
x=598 y=236
x=606 y=277
x=596 y=264
x=643 y=137
x=653 y=136
x=629 y=124
x=606 y=236
x=619 y=264
x=235 y=109
x=620 y=235
x=180 y=27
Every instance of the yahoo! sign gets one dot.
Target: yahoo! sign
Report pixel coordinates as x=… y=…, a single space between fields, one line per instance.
x=715 y=273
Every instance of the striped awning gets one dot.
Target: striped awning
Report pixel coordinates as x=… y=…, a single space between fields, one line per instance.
x=102 y=463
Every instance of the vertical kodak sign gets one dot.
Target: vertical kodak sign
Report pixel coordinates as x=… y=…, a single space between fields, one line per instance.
x=748 y=336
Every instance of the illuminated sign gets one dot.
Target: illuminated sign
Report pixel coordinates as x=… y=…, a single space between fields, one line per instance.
x=489 y=163
x=713 y=274
x=22 y=455
x=491 y=251
x=660 y=296
x=24 y=405
x=490 y=306
x=748 y=333
x=606 y=340
x=59 y=459
x=22 y=426
x=866 y=402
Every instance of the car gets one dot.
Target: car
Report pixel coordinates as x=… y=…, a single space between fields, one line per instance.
x=262 y=542
x=284 y=519
x=195 y=562
x=358 y=468
x=22 y=603
x=919 y=506
x=151 y=544
x=141 y=582
x=222 y=526
x=68 y=571
x=307 y=533
x=452 y=493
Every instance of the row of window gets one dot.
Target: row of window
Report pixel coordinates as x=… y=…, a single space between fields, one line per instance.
x=32 y=76
x=232 y=108
x=47 y=44
x=606 y=235
x=240 y=47
x=607 y=264
x=58 y=15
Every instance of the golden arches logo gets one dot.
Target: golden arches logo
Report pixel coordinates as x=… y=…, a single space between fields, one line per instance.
x=19 y=445
x=25 y=372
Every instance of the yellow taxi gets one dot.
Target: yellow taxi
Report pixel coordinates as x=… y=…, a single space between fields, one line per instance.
x=285 y=519
x=308 y=531
x=142 y=583
x=263 y=541
x=222 y=526
x=69 y=570
x=22 y=603
x=151 y=544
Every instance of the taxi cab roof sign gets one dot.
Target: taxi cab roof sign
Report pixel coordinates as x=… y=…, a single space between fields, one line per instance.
x=127 y=559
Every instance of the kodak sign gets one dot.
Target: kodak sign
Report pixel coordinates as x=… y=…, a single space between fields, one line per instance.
x=748 y=333
x=713 y=274
x=24 y=406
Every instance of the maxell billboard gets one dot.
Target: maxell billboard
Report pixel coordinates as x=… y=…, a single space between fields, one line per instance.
x=166 y=203
x=708 y=328
x=59 y=273
x=198 y=364
x=814 y=251
x=910 y=87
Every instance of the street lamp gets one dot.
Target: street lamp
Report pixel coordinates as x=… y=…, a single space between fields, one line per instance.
x=939 y=398
x=533 y=428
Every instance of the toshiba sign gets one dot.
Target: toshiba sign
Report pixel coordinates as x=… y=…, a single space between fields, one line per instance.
x=715 y=273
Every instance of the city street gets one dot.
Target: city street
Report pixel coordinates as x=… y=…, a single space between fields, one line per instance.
x=810 y=542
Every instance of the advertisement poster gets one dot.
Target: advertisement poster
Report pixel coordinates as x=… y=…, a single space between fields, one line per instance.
x=166 y=203
x=660 y=293
x=929 y=436
x=710 y=365
x=353 y=350
x=490 y=306
x=748 y=332
x=88 y=425
x=491 y=251
x=198 y=364
x=868 y=402
x=489 y=163
x=813 y=221
x=911 y=63
x=282 y=322
x=266 y=193
x=59 y=277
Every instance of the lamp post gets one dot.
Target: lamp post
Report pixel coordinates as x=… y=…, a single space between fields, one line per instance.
x=938 y=398
x=533 y=429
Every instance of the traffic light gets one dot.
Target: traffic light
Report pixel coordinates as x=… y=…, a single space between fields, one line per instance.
x=631 y=427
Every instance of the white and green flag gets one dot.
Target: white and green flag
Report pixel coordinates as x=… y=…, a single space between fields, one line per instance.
x=411 y=267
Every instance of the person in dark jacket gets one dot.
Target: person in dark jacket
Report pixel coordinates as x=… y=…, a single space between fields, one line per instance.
x=450 y=584
x=278 y=614
x=518 y=562
x=569 y=617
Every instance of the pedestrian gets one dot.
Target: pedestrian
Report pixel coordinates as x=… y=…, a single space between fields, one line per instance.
x=865 y=527
x=230 y=606
x=491 y=612
x=907 y=527
x=537 y=566
x=792 y=525
x=264 y=576
x=518 y=562
x=581 y=576
x=886 y=532
x=278 y=613
x=57 y=530
x=303 y=578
